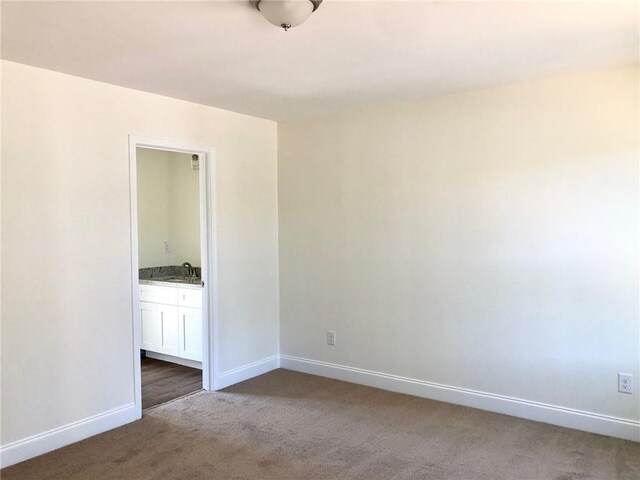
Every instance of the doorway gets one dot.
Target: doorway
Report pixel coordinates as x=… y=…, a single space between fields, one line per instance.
x=173 y=270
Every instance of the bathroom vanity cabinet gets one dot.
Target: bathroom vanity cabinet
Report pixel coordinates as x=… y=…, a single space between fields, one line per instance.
x=171 y=318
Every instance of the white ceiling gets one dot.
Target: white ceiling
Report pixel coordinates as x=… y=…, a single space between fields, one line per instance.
x=348 y=53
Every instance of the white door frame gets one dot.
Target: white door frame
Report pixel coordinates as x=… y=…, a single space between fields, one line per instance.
x=208 y=252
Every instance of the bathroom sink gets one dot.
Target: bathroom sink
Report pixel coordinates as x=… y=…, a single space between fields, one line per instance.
x=176 y=279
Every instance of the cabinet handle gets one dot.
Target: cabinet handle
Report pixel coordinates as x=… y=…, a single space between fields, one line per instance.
x=184 y=327
x=162 y=328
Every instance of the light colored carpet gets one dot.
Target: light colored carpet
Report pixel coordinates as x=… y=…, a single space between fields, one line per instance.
x=287 y=425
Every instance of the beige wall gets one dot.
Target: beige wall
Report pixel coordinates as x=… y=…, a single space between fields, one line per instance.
x=66 y=277
x=184 y=211
x=168 y=209
x=153 y=207
x=485 y=240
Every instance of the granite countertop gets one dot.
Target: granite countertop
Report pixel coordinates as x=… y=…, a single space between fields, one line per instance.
x=172 y=275
x=172 y=282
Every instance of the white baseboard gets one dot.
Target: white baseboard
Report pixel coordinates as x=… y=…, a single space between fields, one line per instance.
x=35 y=445
x=245 y=372
x=170 y=358
x=561 y=416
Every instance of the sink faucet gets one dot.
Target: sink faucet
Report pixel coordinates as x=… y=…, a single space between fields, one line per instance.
x=191 y=272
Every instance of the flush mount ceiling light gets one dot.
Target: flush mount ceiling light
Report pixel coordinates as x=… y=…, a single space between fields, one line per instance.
x=287 y=13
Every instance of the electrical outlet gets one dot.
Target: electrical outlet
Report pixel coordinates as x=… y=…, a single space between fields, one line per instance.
x=625 y=383
x=166 y=247
x=331 y=337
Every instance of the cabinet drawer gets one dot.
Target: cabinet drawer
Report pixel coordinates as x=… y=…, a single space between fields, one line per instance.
x=189 y=297
x=156 y=294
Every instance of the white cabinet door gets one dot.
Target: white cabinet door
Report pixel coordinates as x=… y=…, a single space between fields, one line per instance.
x=151 y=327
x=170 y=329
x=190 y=333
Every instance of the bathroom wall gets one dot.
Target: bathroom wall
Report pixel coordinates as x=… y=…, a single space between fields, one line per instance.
x=168 y=209
x=184 y=211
